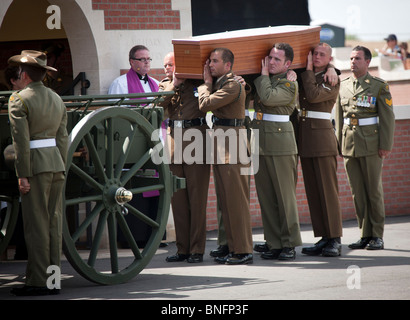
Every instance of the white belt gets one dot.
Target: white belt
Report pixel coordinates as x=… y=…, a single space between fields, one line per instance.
x=316 y=115
x=271 y=117
x=361 y=122
x=42 y=143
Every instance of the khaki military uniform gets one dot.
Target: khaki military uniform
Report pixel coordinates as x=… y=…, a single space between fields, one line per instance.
x=188 y=205
x=274 y=101
x=364 y=124
x=226 y=99
x=318 y=151
x=38 y=117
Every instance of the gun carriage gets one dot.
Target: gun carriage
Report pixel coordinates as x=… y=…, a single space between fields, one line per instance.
x=112 y=139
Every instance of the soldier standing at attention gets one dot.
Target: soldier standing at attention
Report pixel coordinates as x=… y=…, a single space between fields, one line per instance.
x=365 y=130
x=38 y=120
x=188 y=205
x=318 y=151
x=274 y=102
x=225 y=97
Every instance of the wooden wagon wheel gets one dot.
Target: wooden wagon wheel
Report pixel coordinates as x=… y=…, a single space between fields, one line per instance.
x=8 y=220
x=116 y=148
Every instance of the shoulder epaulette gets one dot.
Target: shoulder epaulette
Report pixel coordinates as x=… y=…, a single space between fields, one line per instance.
x=379 y=79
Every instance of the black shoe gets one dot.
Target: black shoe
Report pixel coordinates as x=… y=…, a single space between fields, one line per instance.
x=30 y=291
x=261 y=247
x=221 y=251
x=287 y=254
x=177 y=257
x=317 y=248
x=360 y=244
x=195 y=258
x=236 y=259
x=375 y=244
x=333 y=248
x=222 y=260
x=271 y=254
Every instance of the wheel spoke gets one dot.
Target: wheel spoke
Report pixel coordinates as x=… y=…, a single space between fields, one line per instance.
x=142 y=216
x=86 y=177
x=128 y=235
x=147 y=188
x=109 y=156
x=99 y=168
x=112 y=236
x=97 y=238
x=126 y=147
x=96 y=197
x=134 y=169
x=96 y=210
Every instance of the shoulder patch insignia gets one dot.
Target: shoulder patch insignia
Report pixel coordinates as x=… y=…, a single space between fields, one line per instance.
x=287 y=84
x=11 y=98
x=389 y=102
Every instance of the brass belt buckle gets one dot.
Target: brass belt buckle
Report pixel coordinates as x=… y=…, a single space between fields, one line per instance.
x=259 y=116
x=354 y=121
x=304 y=113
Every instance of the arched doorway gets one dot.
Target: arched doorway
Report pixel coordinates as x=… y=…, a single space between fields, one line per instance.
x=71 y=38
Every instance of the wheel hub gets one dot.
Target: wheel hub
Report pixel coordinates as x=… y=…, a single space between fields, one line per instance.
x=116 y=196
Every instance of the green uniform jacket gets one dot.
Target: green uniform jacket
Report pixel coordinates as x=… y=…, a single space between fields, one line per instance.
x=37 y=112
x=275 y=95
x=371 y=99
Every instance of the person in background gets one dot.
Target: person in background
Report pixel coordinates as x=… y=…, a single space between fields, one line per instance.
x=391 y=48
x=136 y=80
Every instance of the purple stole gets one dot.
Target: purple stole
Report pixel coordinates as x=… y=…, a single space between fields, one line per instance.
x=134 y=83
x=135 y=86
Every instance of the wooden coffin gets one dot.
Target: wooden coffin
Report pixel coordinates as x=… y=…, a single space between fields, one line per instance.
x=249 y=46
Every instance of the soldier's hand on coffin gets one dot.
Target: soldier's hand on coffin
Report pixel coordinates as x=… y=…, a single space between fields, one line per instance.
x=207 y=73
x=177 y=81
x=309 y=64
x=265 y=66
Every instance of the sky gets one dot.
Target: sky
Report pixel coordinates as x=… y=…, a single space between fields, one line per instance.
x=370 y=20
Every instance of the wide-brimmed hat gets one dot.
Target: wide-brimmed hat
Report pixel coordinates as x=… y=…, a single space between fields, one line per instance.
x=32 y=58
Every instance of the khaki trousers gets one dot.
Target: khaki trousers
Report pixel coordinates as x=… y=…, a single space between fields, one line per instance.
x=322 y=192
x=365 y=178
x=42 y=219
x=189 y=207
x=233 y=195
x=276 y=187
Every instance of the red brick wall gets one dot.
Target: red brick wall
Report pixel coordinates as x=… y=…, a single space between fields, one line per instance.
x=138 y=14
x=396 y=184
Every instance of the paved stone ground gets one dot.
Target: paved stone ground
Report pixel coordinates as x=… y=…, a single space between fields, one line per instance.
x=381 y=275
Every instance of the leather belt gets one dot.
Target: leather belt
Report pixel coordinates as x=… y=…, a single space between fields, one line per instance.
x=228 y=122
x=315 y=114
x=186 y=123
x=271 y=117
x=43 y=143
x=361 y=122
